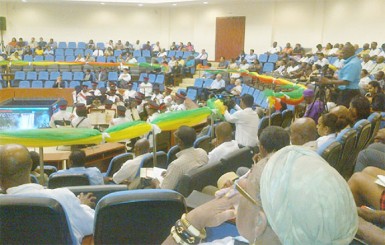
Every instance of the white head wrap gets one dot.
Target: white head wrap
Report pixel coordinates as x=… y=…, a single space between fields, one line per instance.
x=305 y=200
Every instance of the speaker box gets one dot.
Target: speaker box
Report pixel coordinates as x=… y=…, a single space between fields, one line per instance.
x=3 y=24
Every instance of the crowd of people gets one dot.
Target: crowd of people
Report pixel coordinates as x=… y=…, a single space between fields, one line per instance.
x=271 y=200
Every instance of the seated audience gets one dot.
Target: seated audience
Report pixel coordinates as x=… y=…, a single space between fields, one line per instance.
x=121 y=111
x=303 y=131
x=237 y=89
x=275 y=49
x=377 y=97
x=129 y=169
x=344 y=116
x=223 y=64
x=187 y=159
x=364 y=81
x=359 y=108
x=15 y=167
x=81 y=121
x=328 y=127
x=251 y=57
x=145 y=87
x=124 y=78
x=62 y=115
x=218 y=83
x=77 y=165
x=314 y=107
x=224 y=143
x=35 y=170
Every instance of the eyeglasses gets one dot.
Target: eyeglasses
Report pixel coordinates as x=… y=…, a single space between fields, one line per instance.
x=245 y=194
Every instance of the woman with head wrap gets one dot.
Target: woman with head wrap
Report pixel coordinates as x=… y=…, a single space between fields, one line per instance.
x=302 y=200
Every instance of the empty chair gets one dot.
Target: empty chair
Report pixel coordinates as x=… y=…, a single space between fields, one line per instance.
x=245 y=88
x=263 y=58
x=33 y=220
x=31 y=75
x=78 y=75
x=171 y=53
x=79 y=51
x=62 y=45
x=112 y=76
x=73 y=84
x=151 y=78
x=88 y=51
x=208 y=82
x=111 y=59
x=186 y=54
x=43 y=75
x=347 y=138
x=148 y=216
x=54 y=75
x=63 y=180
x=146 y=53
x=59 y=51
x=268 y=67
x=70 y=58
x=28 y=57
x=273 y=58
x=178 y=54
x=116 y=163
x=68 y=52
x=72 y=45
x=49 y=84
x=240 y=158
x=48 y=169
x=49 y=58
x=287 y=118
x=37 y=84
x=363 y=128
x=19 y=75
x=66 y=76
x=59 y=58
x=203 y=142
x=192 y=93
x=198 y=83
x=100 y=45
x=87 y=83
x=82 y=45
x=171 y=154
x=141 y=59
x=137 y=53
x=34 y=179
x=39 y=58
x=24 y=84
x=101 y=59
x=159 y=79
x=331 y=152
x=276 y=119
x=142 y=76
x=117 y=52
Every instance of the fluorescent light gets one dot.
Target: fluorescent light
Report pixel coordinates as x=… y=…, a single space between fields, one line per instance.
x=205 y=3
x=140 y=5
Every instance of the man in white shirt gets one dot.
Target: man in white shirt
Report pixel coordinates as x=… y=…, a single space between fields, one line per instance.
x=374 y=51
x=203 y=56
x=124 y=78
x=246 y=122
x=98 y=52
x=378 y=66
x=130 y=168
x=121 y=110
x=157 y=96
x=275 y=49
x=367 y=63
x=61 y=115
x=251 y=58
x=81 y=97
x=224 y=143
x=179 y=102
x=129 y=92
x=15 y=167
x=187 y=159
x=94 y=90
x=146 y=88
x=218 y=83
x=322 y=61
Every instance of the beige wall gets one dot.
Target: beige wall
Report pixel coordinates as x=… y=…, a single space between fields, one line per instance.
x=306 y=21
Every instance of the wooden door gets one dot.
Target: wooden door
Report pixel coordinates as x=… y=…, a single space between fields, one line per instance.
x=230 y=37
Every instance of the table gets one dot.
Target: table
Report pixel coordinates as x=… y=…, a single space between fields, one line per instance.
x=96 y=156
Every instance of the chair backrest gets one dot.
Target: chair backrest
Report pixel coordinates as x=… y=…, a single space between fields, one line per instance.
x=63 y=180
x=276 y=119
x=33 y=179
x=148 y=161
x=117 y=162
x=31 y=75
x=24 y=84
x=263 y=58
x=287 y=118
x=99 y=191
x=69 y=51
x=159 y=79
x=199 y=177
x=147 y=216
x=331 y=152
x=347 y=138
x=273 y=58
x=363 y=128
x=72 y=45
x=268 y=67
x=203 y=142
x=192 y=93
x=78 y=75
x=37 y=84
x=33 y=220
x=263 y=123
x=240 y=158
x=171 y=154
x=151 y=78
x=198 y=82
x=375 y=120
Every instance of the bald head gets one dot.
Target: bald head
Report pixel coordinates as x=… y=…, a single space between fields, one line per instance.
x=224 y=132
x=15 y=165
x=343 y=115
x=303 y=130
x=141 y=147
x=348 y=51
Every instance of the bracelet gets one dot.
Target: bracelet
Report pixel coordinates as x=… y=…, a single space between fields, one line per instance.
x=191 y=229
x=176 y=237
x=185 y=235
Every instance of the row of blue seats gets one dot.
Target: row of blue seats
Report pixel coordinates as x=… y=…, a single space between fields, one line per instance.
x=71 y=58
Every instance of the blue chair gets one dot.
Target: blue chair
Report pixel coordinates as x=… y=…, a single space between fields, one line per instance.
x=137 y=53
x=19 y=75
x=79 y=51
x=171 y=53
x=171 y=154
x=276 y=119
x=49 y=84
x=49 y=58
x=141 y=59
x=88 y=83
x=101 y=84
x=113 y=76
x=375 y=121
x=72 y=45
x=53 y=75
x=101 y=59
x=192 y=93
x=28 y=58
x=287 y=118
x=31 y=75
x=203 y=142
x=159 y=79
x=142 y=209
x=178 y=54
x=142 y=76
x=78 y=75
x=363 y=128
x=256 y=95
x=59 y=51
x=263 y=123
x=33 y=220
x=186 y=54
x=24 y=84
x=268 y=67
x=245 y=88
x=88 y=51
x=100 y=45
x=250 y=91
x=39 y=58
x=117 y=162
x=69 y=51
x=347 y=138
x=66 y=76
x=117 y=52
x=208 y=82
x=331 y=152
x=135 y=86
x=111 y=59
x=151 y=78
x=146 y=53
x=43 y=75
x=62 y=45
x=73 y=84
x=70 y=58
x=59 y=58
x=273 y=58
x=198 y=83
x=37 y=84
x=63 y=180
x=148 y=161
x=263 y=58
x=82 y=45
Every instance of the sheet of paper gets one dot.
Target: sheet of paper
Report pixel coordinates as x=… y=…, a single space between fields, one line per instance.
x=155 y=173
